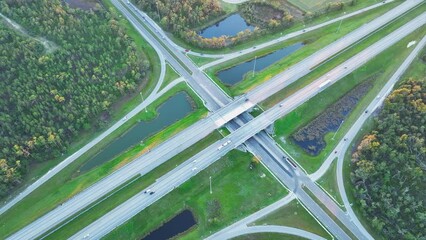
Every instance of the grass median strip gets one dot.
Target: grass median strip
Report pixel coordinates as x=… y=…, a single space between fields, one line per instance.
x=416 y=70
x=119 y=109
x=329 y=183
x=67 y=183
x=344 y=55
x=200 y=61
x=298 y=25
x=171 y=75
x=237 y=191
x=382 y=67
x=103 y=206
x=314 y=40
x=293 y=215
x=330 y=214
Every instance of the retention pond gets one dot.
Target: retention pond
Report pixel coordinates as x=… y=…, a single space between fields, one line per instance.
x=174 y=109
x=229 y=26
x=236 y=73
x=179 y=224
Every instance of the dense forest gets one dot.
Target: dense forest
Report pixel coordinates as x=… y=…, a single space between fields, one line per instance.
x=270 y=15
x=389 y=166
x=180 y=17
x=47 y=98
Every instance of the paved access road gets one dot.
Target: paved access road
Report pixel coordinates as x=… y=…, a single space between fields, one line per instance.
x=228 y=56
x=151 y=98
x=199 y=130
x=209 y=155
x=240 y=227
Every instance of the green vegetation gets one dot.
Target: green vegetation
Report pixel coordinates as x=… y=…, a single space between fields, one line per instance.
x=119 y=109
x=356 y=207
x=181 y=18
x=45 y=97
x=311 y=136
x=104 y=206
x=170 y=76
x=330 y=213
x=313 y=41
x=416 y=71
x=383 y=66
x=237 y=192
x=321 y=5
x=200 y=61
x=271 y=15
x=294 y=215
x=268 y=236
x=68 y=182
x=388 y=167
x=324 y=67
x=329 y=183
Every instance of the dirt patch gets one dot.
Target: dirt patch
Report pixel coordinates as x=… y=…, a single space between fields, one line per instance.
x=84 y=4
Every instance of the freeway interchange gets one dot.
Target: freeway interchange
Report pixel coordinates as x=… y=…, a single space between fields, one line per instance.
x=244 y=130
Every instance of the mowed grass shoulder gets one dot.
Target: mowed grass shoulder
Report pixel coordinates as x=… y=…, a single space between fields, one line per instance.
x=237 y=190
x=68 y=183
x=119 y=109
x=313 y=5
x=314 y=41
x=294 y=215
x=383 y=66
x=95 y=211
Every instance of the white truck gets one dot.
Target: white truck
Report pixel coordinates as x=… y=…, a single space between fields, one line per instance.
x=322 y=85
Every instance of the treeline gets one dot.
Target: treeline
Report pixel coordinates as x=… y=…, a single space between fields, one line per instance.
x=180 y=17
x=268 y=15
x=47 y=99
x=389 y=166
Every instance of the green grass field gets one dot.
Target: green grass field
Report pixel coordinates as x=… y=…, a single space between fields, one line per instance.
x=416 y=70
x=294 y=215
x=315 y=40
x=329 y=183
x=298 y=25
x=119 y=109
x=384 y=64
x=67 y=183
x=239 y=191
x=268 y=236
x=102 y=207
x=313 y=5
x=169 y=77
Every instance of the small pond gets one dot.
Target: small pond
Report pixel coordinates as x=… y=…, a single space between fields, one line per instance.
x=174 y=109
x=236 y=73
x=311 y=137
x=179 y=224
x=229 y=26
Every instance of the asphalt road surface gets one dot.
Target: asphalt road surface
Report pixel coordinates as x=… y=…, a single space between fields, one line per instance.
x=203 y=159
x=195 y=132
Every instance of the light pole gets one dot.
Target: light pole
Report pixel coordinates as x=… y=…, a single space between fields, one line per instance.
x=337 y=130
x=210 y=184
x=254 y=65
x=140 y=93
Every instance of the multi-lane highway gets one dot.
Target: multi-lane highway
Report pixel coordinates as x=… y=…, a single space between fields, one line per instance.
x=149 y=99
x=197 y=131
x=241 y=227
x=241 y=135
